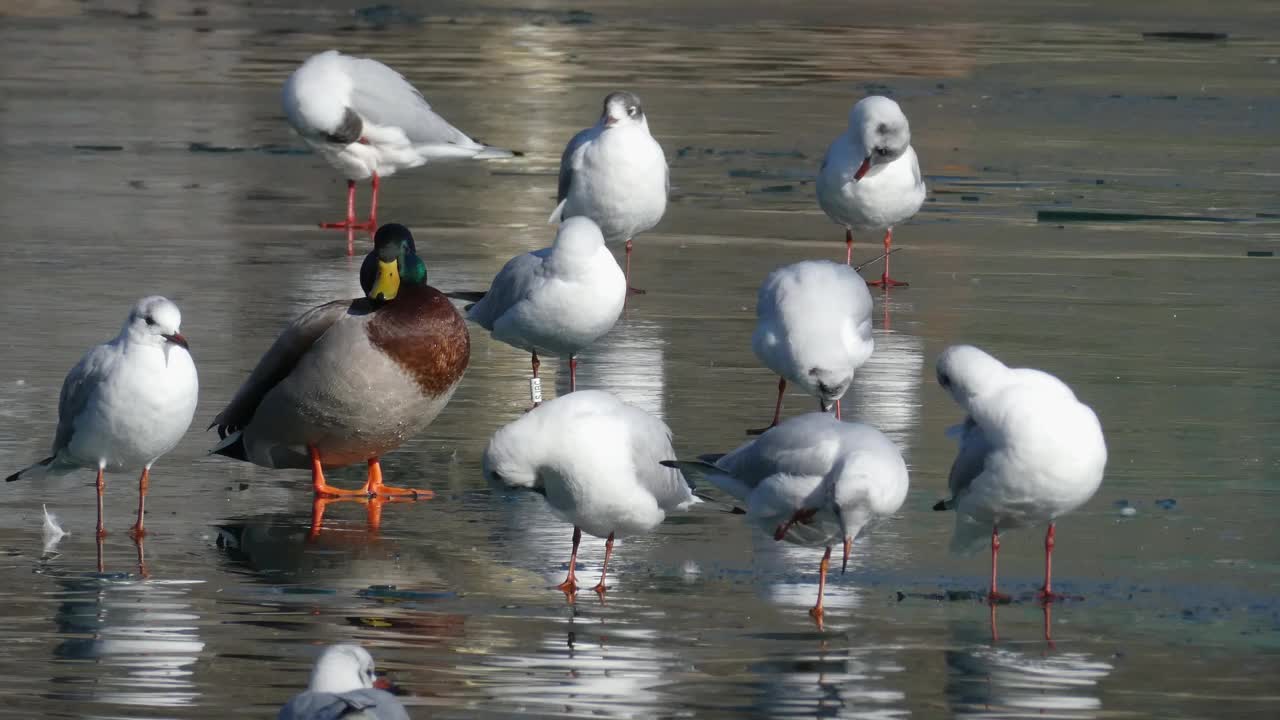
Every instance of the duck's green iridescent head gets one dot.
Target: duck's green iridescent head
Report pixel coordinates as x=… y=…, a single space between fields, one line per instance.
x=393 y=264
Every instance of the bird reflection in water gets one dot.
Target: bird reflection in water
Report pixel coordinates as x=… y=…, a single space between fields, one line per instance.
x=986 y=680
x=142 y=637
x=841 y=682
x=373 y=512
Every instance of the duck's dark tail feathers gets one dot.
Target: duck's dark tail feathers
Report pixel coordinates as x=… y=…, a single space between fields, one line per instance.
x=232 y=446
x=40 y=466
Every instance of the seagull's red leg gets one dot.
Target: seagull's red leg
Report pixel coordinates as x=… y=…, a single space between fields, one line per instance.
x=848 y=246
x=373 y=486
x=816 y=611
x=631 y=290
x=885 y=280
x=1046 y=593
x=573 y=373
x=102 y=487
x=604 y=569
x=837 y=409
x=142 y=558
x=373 y=205
x=144 y=481
x=570 y=584
x=995 y=596
x=777 y=409
x=1048 y=626
x=320 y=487
x=350 y=222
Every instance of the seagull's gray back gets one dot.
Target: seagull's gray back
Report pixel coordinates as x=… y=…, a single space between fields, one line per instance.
x=383 y=97
x=803 y=445
x=650 y=445
x=566 y=160
x=366 y=704
x=971 y=458
x=79 y=385
x=510 y=286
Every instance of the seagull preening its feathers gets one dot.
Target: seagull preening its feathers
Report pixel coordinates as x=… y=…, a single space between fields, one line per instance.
x=596 y=460
x=1029 y=452
x=367 y=121
x=813 y=329
x=812 y=480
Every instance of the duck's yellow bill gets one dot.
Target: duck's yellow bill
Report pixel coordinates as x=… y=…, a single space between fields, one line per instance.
x=387 y=284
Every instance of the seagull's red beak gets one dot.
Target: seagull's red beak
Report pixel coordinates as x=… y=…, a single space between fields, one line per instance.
x=609 y=120
x=384 y=683
x=178 y=339
x=863 y=168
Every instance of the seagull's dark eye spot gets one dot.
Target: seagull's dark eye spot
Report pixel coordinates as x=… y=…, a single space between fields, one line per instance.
x=882 y=129
x=633 y=111
x=150 y=321
x=944 y=380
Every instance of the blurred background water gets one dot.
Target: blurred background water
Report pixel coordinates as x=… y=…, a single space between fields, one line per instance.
x=143 y=150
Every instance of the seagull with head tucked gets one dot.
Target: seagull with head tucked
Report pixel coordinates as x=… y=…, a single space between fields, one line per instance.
x=367 y=121
x=812 y=480
x=1030 y=452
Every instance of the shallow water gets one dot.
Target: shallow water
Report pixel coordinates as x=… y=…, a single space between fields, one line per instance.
x=144 y=152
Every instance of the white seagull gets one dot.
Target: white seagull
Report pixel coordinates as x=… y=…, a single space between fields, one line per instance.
x=615 y=173
x=813 y=329
x=812 y=480
x=126 y=403
x=870 y=177
x=367 y=121
x=557 y=300
x=344 y=685
x=1030 y=452
x=597 y=461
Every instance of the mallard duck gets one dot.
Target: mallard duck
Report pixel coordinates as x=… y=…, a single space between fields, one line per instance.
x=352 y=379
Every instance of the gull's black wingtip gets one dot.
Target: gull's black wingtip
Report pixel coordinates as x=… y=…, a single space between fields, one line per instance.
x=18 y=475
x=941 y=505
